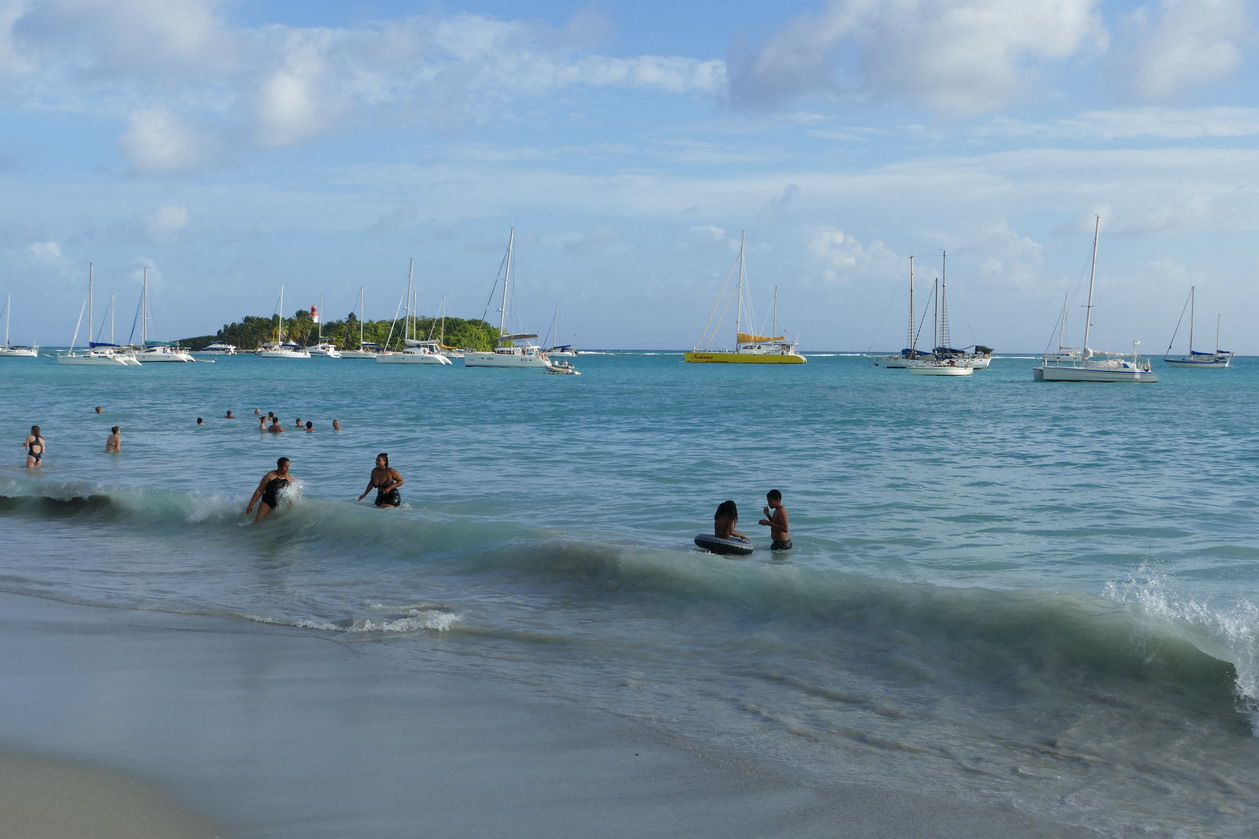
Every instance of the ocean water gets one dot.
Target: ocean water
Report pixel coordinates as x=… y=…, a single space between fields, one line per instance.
x=1030 y=593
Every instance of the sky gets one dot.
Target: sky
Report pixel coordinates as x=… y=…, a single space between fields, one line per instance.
x=232 y=147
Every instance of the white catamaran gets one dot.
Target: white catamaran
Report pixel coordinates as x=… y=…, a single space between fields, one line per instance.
x=1089 y=365
x=515 y=350
x=749 y=349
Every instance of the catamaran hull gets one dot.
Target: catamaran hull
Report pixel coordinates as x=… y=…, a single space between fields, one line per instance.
x=512 y=361
x=741 y=358
x=412 y=358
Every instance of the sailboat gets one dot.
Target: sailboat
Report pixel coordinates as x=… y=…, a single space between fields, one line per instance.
x=12 y=350
x=413 y=351
x=95 y=355
x=279 y=348
x=559 y=350
x=1197 y=358
x=749 y=349
x=910 y=352
x=442 y=346
x=515 y=350
x=151 y=351
x=439 y=326
x=944 y=359
x=1089 y=365
x=366 y=350
x=321 y=347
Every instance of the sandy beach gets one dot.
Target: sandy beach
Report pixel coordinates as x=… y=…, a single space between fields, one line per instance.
x=151 y=725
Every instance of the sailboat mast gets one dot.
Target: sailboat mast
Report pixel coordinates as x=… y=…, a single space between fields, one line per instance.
x=1192 y=289
x=279 y=327
x=738 y=315
x=1088 y=308
x=502 y=311
x=909 y=342
x=90 y=313
x=8 y=315
x=144 y=309
x=408 y=322
x=944 y=302
x=360 y=317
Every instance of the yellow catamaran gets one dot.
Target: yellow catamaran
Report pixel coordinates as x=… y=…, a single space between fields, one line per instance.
x=749 y=348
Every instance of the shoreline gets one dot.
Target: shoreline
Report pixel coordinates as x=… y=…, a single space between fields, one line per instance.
x=223 y=728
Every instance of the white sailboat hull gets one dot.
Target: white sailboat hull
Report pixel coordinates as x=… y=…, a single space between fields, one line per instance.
x=411 y=355
x=1112 y=370
x=19 y=352
x=161 y=354
x=939 y=368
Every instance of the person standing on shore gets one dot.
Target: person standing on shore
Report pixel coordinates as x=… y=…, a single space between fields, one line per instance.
x=385 y=480
x=35 y=448
x=776 y=520
x=113 y=445
x=267 y=495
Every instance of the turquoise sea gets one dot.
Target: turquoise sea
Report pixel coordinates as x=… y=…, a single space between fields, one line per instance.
x=1043 y=595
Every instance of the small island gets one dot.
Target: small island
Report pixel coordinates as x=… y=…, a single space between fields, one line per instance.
x=252 y=331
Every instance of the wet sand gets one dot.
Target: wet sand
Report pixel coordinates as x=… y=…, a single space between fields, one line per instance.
x=150 y=725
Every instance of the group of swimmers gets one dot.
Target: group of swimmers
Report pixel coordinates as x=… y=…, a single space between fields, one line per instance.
x=727 y=516
x=384 y=479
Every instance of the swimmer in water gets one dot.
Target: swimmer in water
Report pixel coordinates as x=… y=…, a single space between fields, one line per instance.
x=35 y=448
x=724 y=520
x=385 y=480
x=113 y=445
x=267 y=495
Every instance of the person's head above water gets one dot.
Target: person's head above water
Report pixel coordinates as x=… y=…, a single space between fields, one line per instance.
x=727 y=509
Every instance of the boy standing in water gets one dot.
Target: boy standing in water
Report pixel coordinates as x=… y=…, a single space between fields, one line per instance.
x=776 y=520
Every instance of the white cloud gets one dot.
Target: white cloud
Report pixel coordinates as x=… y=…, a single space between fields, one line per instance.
x=159 y=142
x=953 y=56
x=1184 y=45
x=164 y=224
x=153 y=40
x=1134 y=123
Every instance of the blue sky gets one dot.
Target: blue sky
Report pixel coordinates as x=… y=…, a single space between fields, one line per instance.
x=233 y=147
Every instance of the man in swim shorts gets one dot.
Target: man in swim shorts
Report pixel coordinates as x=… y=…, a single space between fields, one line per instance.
x=776 y=520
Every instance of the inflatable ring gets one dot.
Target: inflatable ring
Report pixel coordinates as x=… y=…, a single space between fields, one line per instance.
x=735 y=545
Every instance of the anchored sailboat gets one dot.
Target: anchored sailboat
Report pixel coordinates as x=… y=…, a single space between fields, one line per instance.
x=515 y=350
x=1198 y=358
x=413 y=351
x=1089 y=365
x=13 y=350
x=749 y=349
x=151 y=351
x=279 y=348
x=95 y=355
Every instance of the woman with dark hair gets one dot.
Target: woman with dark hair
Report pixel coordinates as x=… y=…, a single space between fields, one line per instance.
x=385 y=480
x=724 y=520
x=267 y=495
x=35 y=448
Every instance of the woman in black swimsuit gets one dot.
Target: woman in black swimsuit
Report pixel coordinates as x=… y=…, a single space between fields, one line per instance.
x=34 y=448
x=385 y=480
x=269 y=489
